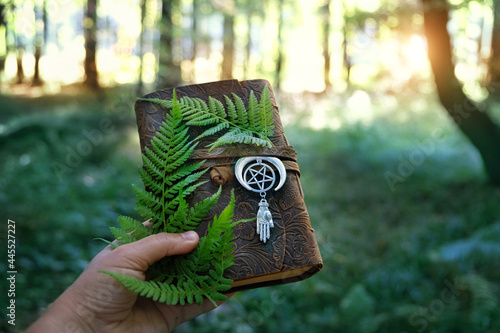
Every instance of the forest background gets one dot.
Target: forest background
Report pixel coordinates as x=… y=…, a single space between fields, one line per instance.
x=391 y=105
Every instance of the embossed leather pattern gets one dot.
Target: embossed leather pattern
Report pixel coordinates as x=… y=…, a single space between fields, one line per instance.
x=292 y=253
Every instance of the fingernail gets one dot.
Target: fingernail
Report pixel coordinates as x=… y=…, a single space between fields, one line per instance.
x=189 y=235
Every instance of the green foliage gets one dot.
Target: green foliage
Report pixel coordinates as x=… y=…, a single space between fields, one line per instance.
x=58 y=216
x=440 y=224
x=388 y=256
x=168 y=179
x=252 y=126
x=198 y=274
x=357 y=303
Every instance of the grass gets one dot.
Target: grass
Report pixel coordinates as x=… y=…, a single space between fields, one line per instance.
x=390 y=252
x=60 y=207
x=415 y=253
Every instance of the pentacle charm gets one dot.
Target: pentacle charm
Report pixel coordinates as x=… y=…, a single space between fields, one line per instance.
x=260 y=177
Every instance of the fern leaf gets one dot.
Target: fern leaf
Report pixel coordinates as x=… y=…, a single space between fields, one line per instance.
x=186 y=182
x=134 y=227
x=217 y=107
x=151 y=168
x=168 y=179
x=153 y=158
x=200 y=104
x=181 y=157
x=253 y=112
x=238 y=136
x=241 y=111
x=122 y=236
x=166 y=103
x=147 y=202
x=160 y=144
x=188 y=285
x=164 y=295
x=214 y=130
x=184 y=171
x=201 y=209
x=204 y=120
x=266 y=112
x=176 y=221
x=199 y=298
x=231 y=110
x=171 y=130
x=131 y=283
x=217 y=227
x=178 y=143
x=150 y=182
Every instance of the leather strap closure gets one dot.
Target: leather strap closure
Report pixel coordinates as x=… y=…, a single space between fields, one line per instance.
x=238 y=151
x=289 y=165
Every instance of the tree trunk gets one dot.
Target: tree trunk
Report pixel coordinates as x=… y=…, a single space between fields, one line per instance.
x=3 y=37
x=20 y=68
x=494 y=61
x=194 y=37
x=169 y=72
x=279 y=59
x=40 y=35
x=325 y=15
x=140 y=84
x=474 y=123
x=346 y=57
x=228 y=48
x=248 y=46
x=90 y=34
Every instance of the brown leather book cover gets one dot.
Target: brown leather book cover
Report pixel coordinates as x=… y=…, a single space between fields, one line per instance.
x=291 y=253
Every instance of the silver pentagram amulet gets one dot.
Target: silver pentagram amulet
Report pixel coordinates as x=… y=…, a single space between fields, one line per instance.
x=257 y=174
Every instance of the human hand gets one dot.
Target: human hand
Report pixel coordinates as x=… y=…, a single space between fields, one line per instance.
x=96 y=302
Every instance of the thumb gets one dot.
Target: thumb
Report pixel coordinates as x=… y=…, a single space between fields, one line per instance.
x=145 y=252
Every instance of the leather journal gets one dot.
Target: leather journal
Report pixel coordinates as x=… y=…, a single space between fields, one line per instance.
x=279 y=245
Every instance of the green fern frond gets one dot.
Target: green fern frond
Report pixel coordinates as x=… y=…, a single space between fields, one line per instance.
x=266 y=118
x=253 y=113
x=201 y=209
x=237 y=136
x=218 y=106
x=256 y=122
x=241 y=110
x=122 y=236
x=231 y=109
x=189 y=285
x=134 y=227
x=219 y=226
x=168 y=179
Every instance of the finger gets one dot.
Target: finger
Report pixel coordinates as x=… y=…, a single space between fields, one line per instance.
x=143 y=253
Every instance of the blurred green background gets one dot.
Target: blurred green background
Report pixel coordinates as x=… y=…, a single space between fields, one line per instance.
x=406 y=217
